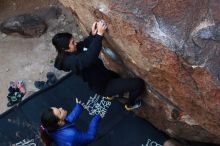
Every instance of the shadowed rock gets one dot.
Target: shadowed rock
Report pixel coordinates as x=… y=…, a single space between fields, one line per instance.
x=25 y=25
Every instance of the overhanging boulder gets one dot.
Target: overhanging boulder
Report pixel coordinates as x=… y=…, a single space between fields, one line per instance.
x=174 y=46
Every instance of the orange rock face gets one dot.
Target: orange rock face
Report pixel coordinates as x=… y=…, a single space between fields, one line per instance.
x=174 y=45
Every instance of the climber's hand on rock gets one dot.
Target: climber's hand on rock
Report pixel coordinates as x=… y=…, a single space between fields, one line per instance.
x=101 y=27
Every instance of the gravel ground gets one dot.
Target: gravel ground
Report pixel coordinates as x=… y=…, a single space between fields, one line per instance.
x=29 y=59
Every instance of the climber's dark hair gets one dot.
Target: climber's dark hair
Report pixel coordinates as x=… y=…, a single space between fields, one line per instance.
x=49 y=120
x=61 y=43
x=49 y=123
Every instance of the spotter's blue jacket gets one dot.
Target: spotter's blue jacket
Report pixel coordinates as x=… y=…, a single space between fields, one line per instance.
x=69 y=135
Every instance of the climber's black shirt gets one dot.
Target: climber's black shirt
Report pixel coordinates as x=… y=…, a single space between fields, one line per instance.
x=85 y=62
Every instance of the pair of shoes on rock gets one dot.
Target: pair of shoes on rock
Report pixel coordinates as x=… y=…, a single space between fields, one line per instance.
x=16 y=92
x=136 y=105
x=51 y=79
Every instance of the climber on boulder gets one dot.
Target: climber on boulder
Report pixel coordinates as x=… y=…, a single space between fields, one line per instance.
x=82 y=58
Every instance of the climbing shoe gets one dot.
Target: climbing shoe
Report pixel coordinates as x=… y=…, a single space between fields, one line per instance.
x=51 y=78
x=14 y=98
x=109 y=97
x=40 y=84
x=132 y=107
x=21 y=86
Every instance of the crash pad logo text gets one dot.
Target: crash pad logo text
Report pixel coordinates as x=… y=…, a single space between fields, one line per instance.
x=151 y=143
x=26 y=142
x=97 y=105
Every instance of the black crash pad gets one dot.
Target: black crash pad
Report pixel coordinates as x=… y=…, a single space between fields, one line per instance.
x=20 y=125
